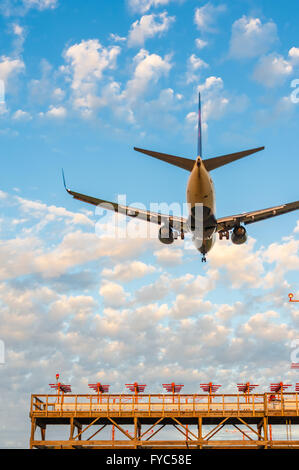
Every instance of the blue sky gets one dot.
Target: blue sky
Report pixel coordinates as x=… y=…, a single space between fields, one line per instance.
x=84 y=83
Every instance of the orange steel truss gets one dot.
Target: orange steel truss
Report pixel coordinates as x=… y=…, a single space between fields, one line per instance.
x=252 y=416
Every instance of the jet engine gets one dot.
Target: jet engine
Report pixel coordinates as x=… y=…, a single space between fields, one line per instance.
x=239 y=235
x=166 y=235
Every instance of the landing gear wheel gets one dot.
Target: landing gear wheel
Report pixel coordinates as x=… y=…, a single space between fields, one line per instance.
x=203 y=259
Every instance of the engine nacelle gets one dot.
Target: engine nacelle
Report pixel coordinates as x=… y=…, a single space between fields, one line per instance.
x=166 y=235
x=239 y=235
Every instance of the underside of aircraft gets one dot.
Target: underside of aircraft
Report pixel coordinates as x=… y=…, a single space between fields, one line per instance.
x=200 y=191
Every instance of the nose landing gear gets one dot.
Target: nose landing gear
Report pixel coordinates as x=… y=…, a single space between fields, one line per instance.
x=203 y=259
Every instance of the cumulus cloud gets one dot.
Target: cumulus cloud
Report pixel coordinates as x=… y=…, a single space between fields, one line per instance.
x=110 y=333
x=262 y=326
x=56 y=112
x=93 y=88
x=113 y=294
x=243 y=266
x=10 y=67
x=47 y=213
x=149 y=26
x=205 y=16
x=294 y=54
x=169 y=256
x=87 y=62
x=149 y=68
x=128 y=271
x=251 y=38
x=187 y=306
x=272 y=70
x=286 y=258
x=214 y=100
x=21 y=115
x=194 y=65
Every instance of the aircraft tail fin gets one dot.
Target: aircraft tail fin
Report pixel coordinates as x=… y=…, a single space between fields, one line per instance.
x=199 y=136
x=212 y=163
x=185 y=163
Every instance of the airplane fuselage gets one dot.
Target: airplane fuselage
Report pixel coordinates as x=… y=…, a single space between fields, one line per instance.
x=201 y=221
x=200 y=190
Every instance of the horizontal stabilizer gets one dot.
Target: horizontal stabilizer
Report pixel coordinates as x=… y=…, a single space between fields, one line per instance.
x=185 y=163
x=212 y=163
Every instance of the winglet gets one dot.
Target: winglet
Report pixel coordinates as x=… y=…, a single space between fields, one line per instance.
x=63 y=178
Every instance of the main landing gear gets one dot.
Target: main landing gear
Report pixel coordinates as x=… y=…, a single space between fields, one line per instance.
x=224 y=233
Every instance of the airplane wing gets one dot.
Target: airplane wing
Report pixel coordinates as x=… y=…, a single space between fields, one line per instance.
x=228 y=223
x=177 y=223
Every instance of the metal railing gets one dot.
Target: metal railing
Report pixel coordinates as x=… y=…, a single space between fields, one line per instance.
x=159 y=403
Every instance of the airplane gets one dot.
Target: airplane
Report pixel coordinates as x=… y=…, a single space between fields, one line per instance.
x=200 y=191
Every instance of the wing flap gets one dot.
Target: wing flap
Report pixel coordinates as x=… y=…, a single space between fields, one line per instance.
x=227 y=223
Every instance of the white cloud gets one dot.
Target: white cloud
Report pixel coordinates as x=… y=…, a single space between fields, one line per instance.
x=194 y=65
x=149 y=26
x=113 y=294
x=286 y=258
x=200 y=43
x=58 y=94
x=169 y=256
x=142 y=6
x=294 y=54
x=10 y=67
x=214 y=100
x=128 y=271
x=153 y=292
x=21 y=115
x=117 y=38
x=191 y=117
x=211 y=83
x=263 y=328
x=272 y=70
x=41 y=4
x=186 y=306
x=88 y=60
x=205 y=16
x=46 y=328
x=244 y=267
x=47 y=213
x=18 y=30
x=19 y=33
x=251 y=38
x=149 y=68
x=56 y=112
